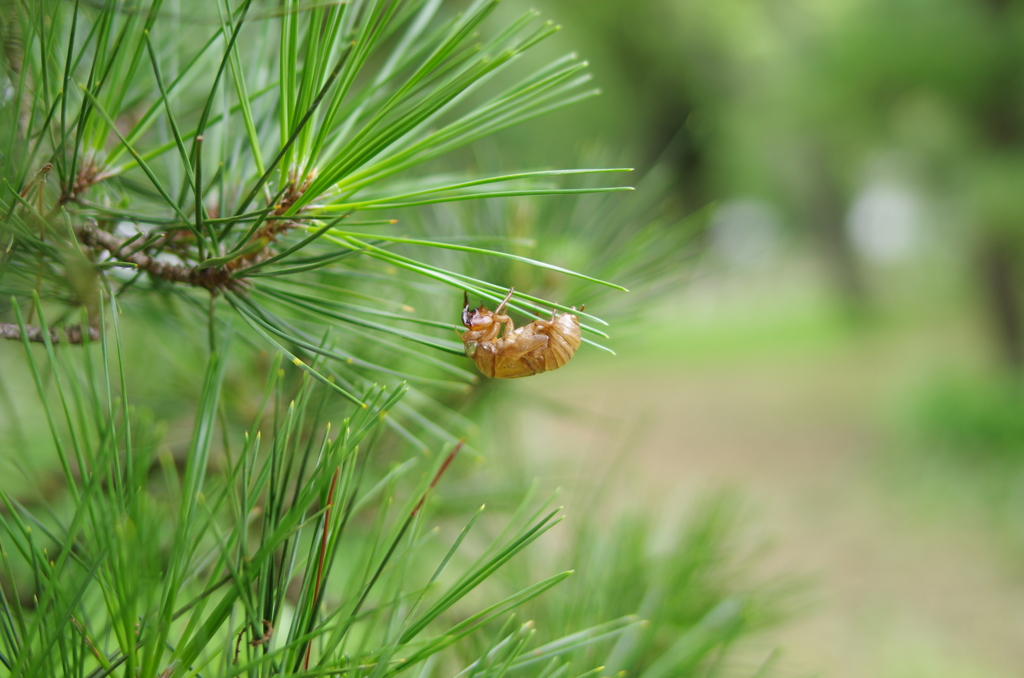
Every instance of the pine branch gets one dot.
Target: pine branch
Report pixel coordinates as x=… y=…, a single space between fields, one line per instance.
x=73 y=334
x=212 y=278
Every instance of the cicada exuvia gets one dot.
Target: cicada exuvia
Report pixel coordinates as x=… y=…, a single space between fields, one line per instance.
x=541 y=346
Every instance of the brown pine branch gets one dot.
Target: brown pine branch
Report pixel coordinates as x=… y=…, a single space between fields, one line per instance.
x=214 y=278
x=73 y=333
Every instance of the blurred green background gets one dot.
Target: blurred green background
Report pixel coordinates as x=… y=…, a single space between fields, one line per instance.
x=847 y=347
x=830 y=328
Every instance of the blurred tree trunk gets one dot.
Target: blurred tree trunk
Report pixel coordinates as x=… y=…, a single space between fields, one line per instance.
x=828 y=219
x=684 y=151
x=1000 y=272
x=1002 y=125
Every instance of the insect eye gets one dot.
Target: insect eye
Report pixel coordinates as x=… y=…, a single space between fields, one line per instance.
x=465 y=309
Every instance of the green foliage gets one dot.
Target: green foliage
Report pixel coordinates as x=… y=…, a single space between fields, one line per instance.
x=166 y=573
x=688 y=592
x=293 y=553
x=977 y=420
x=195 y=169
x=638 y=239
x=234 y=169
x=956 y=455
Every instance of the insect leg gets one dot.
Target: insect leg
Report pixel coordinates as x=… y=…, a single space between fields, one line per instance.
x=509 y=325
x=499 y=313
x=504 y=302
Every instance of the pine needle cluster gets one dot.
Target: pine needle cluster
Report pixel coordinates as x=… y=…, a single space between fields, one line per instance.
x=242 y=162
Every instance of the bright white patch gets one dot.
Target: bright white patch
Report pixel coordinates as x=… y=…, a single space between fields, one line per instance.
x=884 y=222
x=126 y=229
x=745 y=232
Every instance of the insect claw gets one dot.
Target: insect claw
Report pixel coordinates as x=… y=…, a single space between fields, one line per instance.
x=465 y=308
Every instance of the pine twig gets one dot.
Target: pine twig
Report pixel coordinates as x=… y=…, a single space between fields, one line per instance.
x=73 y=333
x=213 y=278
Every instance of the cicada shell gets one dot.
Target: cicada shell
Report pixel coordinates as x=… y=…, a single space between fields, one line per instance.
x=541 y=346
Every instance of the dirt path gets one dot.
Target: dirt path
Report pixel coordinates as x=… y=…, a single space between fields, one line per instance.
x=901 y=594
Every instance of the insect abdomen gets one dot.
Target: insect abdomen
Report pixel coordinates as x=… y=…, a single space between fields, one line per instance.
x=563 y=338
